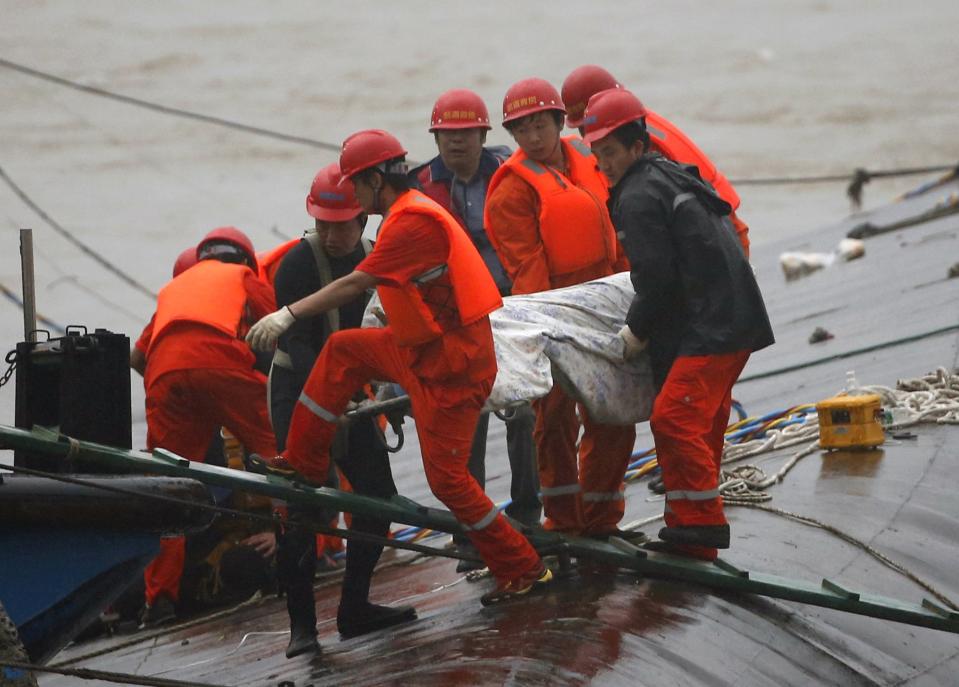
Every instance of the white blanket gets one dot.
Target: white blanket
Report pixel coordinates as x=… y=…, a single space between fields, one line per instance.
x=569 y=336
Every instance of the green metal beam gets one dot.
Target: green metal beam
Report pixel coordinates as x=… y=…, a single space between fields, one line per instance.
x=718 y=575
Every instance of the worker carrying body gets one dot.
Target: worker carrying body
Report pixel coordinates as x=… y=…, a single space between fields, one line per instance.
x=437 y=295
x=332 y=251
x=665 y=137
x=697 y=310
x=198 y=374
x=457 y=179
x=546 y=216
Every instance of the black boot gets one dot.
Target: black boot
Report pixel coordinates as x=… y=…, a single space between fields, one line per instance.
x=356 y=620
x=711 y=536
x=302 y=641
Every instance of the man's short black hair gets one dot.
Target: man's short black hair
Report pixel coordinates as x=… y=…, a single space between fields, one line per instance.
x=396 y=178
x=628 y=134
x=558 y=117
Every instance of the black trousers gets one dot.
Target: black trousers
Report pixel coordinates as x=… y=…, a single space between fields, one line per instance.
x=358 y=452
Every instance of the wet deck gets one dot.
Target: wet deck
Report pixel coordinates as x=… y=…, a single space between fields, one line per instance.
x=611 y=628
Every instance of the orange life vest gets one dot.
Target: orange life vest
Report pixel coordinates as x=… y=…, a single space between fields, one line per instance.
x=211 y=293
x=269 y=260
x=474 y=291
x=668 y=139
x=574 y=222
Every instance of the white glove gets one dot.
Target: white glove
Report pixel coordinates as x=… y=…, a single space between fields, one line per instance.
x=632 y=346
x=263 y=335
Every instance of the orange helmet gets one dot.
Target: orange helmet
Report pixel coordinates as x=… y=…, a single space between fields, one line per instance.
x=530 y=96
x=607 y=111
x=368 y=148
x=184 y=261
x=582 y=83
x=459 y=108
x=331 y=196
x=217 y=243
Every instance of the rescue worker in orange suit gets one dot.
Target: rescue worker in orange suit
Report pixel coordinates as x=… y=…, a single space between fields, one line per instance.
x=437 y=295
x=546 y=216
x=697 y=310
x=457 y=179
x=665 y=137
x=199 y=376
x=332 y=251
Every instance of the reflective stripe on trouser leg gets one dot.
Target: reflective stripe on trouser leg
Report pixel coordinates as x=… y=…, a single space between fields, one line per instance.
x=683 y=418
x=445 y=422
x=348 y=360
x=555 y=434
x=604 y=454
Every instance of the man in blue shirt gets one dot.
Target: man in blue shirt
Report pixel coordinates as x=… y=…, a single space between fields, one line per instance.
x=457 y=179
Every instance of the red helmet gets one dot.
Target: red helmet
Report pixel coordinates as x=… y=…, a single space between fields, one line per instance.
x=607 y=111
x=184 y=261
x=367 y=148
x=460 y=108
x=230 y=236
x=530 y=96
x=331 y=196
x=581 y=84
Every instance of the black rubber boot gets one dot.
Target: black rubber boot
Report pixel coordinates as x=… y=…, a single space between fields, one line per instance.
x=712 y=536
x=356 y=620
x=302 y=641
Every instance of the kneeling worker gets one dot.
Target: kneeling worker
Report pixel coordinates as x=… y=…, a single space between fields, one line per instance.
x=437 y=295
x=697 y=310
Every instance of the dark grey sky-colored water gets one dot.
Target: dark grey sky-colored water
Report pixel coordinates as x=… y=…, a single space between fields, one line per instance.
x=766 y=89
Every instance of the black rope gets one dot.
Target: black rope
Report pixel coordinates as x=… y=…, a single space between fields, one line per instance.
x=73 y=239
x=309 y=525
x=219 y=121
x=119 y=678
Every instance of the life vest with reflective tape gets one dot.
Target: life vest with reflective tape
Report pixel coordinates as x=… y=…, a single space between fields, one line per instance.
x=210 y=293
x=574 y=222
x=269 y=260
x=667 y=138
x=474 y=292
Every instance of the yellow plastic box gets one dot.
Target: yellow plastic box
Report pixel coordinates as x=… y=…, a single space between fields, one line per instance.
x=850 y=421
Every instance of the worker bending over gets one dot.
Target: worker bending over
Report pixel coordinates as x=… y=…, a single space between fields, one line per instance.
x=198 y=374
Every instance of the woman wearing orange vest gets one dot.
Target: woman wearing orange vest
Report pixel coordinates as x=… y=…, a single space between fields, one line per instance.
x=437 y=294
x=547 y=219
x=199 y=376
x=664 y=137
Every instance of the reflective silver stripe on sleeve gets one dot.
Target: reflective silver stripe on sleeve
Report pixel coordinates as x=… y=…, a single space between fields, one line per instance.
x=692 y=495
x=316 y=408
x=486 y=521
x=563 y=490
x=594 y=496
x=430 y=275
x=661 y=135
x=682 y=198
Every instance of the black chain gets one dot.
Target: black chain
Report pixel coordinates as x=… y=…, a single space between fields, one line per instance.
x=12 y=359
